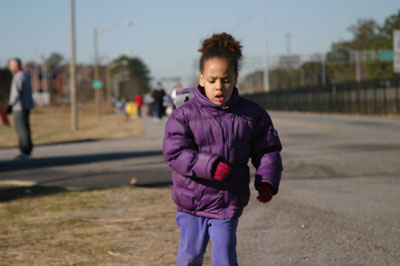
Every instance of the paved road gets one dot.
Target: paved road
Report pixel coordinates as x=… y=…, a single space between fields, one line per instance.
x=339 y=197
x=90 y=165
x=339 y=201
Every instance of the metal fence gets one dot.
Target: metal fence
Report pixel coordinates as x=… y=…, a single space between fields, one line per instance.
x=368 y=97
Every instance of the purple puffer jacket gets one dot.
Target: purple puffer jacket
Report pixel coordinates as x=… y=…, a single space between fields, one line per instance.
x=199 y=134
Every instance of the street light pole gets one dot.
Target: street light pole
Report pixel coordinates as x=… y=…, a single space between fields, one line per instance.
x=323 y=70
x=96 y=73
x=96 y=33
x=74 y=116
x=108 y=82
x=266 y=74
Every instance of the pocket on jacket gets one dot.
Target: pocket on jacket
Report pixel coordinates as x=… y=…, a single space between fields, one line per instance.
x=184 y=199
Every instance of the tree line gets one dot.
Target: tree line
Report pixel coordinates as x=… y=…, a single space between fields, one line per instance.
x=52 y=76
x=366 y=56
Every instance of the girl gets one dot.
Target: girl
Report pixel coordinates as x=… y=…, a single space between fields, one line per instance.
x=208 y=143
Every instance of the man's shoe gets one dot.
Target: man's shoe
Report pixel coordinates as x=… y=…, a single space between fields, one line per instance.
x=22 y=157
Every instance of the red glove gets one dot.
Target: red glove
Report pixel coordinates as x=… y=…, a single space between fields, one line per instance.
x=222 y=171
x=265 y=192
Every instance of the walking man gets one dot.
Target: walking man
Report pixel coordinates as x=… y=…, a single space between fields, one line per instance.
x=20 y=104
x=158 y=96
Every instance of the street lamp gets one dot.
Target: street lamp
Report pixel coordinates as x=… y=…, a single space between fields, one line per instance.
x=110 y=65
x=97 y=32
x=74 y=115
x=266 y=74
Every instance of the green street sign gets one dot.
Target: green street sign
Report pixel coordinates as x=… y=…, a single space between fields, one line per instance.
x=386 y=55
x=97 y=84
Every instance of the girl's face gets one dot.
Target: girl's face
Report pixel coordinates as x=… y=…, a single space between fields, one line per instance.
x=218 y=80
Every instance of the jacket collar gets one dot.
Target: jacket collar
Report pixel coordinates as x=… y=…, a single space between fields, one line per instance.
x=206 y=103
x=16 y=72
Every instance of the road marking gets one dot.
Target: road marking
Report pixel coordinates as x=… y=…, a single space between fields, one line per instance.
x=303 y=124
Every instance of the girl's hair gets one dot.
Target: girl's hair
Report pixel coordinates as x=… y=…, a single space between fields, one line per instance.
x=224 y=46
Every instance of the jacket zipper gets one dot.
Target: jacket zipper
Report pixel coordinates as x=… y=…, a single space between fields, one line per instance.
x=226 y=155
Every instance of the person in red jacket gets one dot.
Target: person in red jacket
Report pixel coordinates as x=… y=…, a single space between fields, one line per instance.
x=138 y=99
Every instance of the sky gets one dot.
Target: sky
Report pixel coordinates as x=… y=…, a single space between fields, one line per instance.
x=167 y=34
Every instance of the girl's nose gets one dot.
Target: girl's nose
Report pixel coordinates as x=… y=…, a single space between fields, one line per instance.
x=218 y=84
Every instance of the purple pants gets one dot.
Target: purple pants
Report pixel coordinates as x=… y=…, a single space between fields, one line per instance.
x=195 y=233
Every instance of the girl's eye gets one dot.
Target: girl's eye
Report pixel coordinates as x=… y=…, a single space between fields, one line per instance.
x=211 y=81
x=226 y=81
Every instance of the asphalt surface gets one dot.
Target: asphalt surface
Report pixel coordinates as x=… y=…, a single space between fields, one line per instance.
x=93 y=164
x=339 y=198
x=338 y=202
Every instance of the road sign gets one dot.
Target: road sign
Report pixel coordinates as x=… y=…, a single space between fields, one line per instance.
x=386 y=55
x=396 y=51
x=97 y=84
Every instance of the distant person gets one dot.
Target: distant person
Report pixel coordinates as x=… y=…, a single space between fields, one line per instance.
x=138 y=99
x=148 y=101
x=120 y=106
x=168 y=104
x=208 y=142
x=177 y=88
x=181 y=95
x=158 y=96
x=20 y=104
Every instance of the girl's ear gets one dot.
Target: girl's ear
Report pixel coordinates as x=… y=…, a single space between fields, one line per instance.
x=201 y=79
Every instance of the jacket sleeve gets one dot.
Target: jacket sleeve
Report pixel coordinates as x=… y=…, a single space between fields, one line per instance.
x=265 y=152
x=181 y=152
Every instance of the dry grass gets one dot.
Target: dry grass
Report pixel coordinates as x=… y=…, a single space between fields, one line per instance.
x=123 y=226
x=53 y=124
x=120 y=226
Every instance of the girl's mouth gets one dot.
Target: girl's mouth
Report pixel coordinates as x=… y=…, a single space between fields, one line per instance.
x=219 y=98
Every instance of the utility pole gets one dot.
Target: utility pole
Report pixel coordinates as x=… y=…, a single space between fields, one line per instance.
x=323 y=70
x=196 y=70
x=74 y=116
x=266 y=75
x=358 y=68
x=108 y=87
x=288 y=36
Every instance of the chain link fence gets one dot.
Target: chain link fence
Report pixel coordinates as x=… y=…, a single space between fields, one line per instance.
x=366 y=97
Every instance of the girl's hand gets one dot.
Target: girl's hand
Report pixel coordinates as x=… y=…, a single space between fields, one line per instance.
x=265 y=192
x=222 y=171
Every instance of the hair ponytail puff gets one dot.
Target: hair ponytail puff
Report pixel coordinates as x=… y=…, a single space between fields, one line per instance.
x=224 y=42
x=221 y=45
